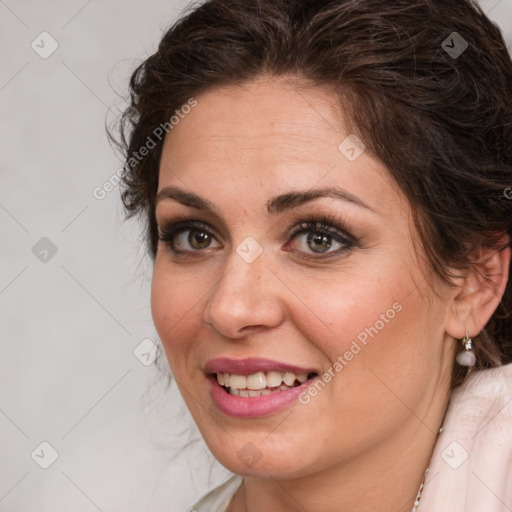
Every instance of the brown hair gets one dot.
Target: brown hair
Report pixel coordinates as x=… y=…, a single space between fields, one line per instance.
x=428 y=86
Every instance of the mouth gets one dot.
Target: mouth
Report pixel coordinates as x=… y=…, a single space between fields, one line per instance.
x=260 y=383
x=255 y=387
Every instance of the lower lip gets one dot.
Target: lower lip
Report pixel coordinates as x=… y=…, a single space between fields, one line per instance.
x=254 y=406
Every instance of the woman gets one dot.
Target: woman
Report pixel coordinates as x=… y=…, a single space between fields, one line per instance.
x=324 y=189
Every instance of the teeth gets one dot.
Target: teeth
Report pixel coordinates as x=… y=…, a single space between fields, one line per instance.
x=256 y=381
x=289 y=378
x=238 y=381
x=254 y=392
x=260 y=383
x=273 y=379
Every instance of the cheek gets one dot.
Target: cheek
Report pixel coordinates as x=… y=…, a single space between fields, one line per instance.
x=355 y=307
x=174 y=307
x=368 y=330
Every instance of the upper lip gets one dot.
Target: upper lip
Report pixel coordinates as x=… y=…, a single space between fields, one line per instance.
x=251 y=365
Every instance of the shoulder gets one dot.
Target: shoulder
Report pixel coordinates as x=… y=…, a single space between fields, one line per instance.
x=492 y=382
x=472 y=460
x=218 y=498
x=483 y=404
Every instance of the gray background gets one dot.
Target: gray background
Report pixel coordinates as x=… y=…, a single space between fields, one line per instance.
x=72 y=320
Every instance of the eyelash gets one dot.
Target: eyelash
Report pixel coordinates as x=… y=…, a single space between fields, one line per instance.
x=324 y=224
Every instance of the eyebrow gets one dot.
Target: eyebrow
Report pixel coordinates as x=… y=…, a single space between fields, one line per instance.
x=274 y=205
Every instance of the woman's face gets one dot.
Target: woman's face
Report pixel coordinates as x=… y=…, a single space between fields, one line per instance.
x=347 y=303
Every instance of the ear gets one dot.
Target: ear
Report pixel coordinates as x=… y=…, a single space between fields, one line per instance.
x=479 y=293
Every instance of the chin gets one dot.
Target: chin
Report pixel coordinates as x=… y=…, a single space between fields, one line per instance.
x=257 y=456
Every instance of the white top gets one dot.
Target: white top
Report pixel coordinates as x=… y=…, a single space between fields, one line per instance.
x=471 y=466
x=217 y=500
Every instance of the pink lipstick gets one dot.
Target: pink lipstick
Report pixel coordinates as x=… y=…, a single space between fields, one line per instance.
x=254 y=387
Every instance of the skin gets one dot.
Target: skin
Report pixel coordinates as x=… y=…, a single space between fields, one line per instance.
x=364 y=442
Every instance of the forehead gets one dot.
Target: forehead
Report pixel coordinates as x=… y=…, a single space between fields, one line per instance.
x=272 y=114
x=268 y=135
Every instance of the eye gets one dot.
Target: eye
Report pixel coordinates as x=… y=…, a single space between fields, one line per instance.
x=194 y=234
x=323 y=237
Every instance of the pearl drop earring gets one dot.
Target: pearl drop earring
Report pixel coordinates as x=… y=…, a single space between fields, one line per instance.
x=467 y=357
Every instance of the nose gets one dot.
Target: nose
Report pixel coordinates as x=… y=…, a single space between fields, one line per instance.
x=246 y=299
